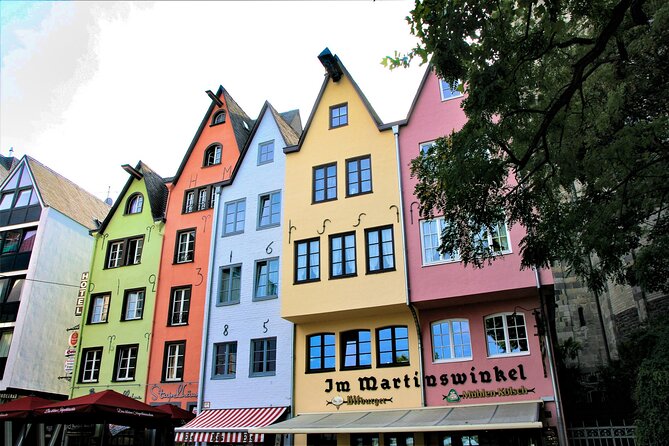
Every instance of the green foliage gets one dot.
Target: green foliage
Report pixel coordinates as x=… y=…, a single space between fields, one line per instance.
x=567 y=132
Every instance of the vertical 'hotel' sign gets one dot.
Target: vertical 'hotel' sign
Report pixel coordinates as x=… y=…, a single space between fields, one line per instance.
x=83 y=286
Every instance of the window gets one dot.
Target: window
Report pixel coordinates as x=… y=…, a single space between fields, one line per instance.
x=6 y=201
x=263 y=357
x=219 y=118
x=321 y=351
x=496 y=239
x=380 y=250
x=126 y=362
x=342 y=255
x=392 y=345
x=266 y=279
x=225 y=360
x=338 y=115
x=266 y=152
x=199 y=199
x=89 y=370
x=133 y=304
x=124 y=252
x=10 y=297
x=19 y=202
x=431 y=231
x=451 y=340
x=173 y=364
x=424 y=147
x=356 y=349
x=17 y=240
x=231 y=278
x=99 y=309
x=234 y=217
x=506 y=334
x=307 y=260
x=325 y=183
x=269 y=210
x=185 y=249
x=134 y=204
x=202 y=201
x=449 y=91
x=189 y=201
x=179 y=306
x=359 y=176
x=212 y=155
x=5 y=344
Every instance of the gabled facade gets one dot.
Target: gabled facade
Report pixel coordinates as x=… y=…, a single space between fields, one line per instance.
x=176 y=340
x=483 y=334
x=45 y=247
x=117 y=316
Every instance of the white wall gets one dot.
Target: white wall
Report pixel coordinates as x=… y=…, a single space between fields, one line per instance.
x=244 y=321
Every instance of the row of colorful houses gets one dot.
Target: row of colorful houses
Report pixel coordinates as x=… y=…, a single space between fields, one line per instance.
x=284 y=285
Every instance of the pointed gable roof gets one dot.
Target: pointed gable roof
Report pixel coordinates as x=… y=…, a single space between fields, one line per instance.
x=372 y=113
x=241 y=126
x=156 y=191
x=7 y=163
x=66 y=197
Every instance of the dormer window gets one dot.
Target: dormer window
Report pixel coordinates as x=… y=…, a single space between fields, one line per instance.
x=135 y=204
x=212 y=155
x=449 y=91
x=338 y=115
x=219 y=118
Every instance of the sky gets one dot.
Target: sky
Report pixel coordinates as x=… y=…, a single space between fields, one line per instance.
x=86 y=87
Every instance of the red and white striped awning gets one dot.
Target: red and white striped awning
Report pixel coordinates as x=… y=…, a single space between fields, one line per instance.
x=228 y=425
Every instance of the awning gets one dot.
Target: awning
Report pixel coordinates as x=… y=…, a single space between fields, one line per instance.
x=523 y=415
x=228 y=425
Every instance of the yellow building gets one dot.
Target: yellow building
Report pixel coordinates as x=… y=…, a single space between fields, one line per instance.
x=342 y=272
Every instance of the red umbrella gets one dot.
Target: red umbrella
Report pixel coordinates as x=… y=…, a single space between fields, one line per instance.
x=103 y=407
x=21 y=408
x=177 y=414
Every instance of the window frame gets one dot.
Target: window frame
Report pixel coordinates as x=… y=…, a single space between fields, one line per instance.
x=268 y=261
x=344 y=338
x=215 y=117
x=455 y=93
x=322 y=356
x=104 y=314
x=452 y=347
x=131 y=368
x=325 y=168
x=394 y=340
x=308 y=266
x=262 y=146
x=228 y=301
x=269 y=196
x=266 y=360
x=236 y=221
x=507 y=337
x=130 y=208
x=330 y=117
x=343 y=236
x=178 y=244
x=423 y=147
x=192 y=199
x=125 y=253
x=184 y=306
x=379 y=230
x=227 y=361
x=359 y=183
x=126 y=295
x=179 y=370
x=96 y=363
x=214 y=151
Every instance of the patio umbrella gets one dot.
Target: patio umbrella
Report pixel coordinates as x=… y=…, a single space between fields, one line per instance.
x=177 y=414
x=102 y=408
x=21 y=408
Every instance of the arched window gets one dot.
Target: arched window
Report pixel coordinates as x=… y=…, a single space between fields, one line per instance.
x=212 y=155
x=135 y=204
x=219 y=118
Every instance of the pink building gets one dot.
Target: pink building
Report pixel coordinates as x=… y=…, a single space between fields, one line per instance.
x=483 y=340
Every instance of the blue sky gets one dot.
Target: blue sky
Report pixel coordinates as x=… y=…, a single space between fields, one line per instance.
x=88 y=86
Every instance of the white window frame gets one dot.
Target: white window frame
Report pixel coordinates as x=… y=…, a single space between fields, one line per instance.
x=190 y=202
x=186 y=246
x=126 y=362
x=101 y=316
x=91 y=365
x=173 y=353
x=454 y=93
x=507 y=338
x=180 y=296
x=134 y=305
x=115 y=254
x=135 y=250
x=202 y=201
x=451 y=340
x=425 y=146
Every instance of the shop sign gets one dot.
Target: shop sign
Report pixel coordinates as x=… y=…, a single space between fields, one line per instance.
x=73 y=339
x=357 y=400
x=499 y=392
x=69 y=365
x=475 y=377
x=83 y=287
x=181 y=392
x=372 y=383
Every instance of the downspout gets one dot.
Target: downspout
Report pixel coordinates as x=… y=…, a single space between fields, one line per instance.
x=207 y=306
x=548 y=341
x=396 y=133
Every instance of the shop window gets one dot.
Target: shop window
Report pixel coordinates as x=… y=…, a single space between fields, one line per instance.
x=307 y=260
x=356 y=349
x=225 y=359
x=124 y=252
x=266 y=284
x=358 y=176
x=506 y=334
x=185 y=248
x=230 y=285
x=269 y=210
x=212 y=155
x=174 y=360
x=380 y=249
x=321 y=439
x=324 y=183
x=365 y=440
x=234 y=214
x=398 y=439
x=321 y=351
x=392 y=346
x=135 y=204
x=179 y=306
x=342 y=255
x=263 y=357
x=126 y=362
x=89 y=369
x=451 y=340
x=98 y=310
x=133 y=304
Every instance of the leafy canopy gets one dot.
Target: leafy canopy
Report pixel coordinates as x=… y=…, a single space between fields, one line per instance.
x=567 y=132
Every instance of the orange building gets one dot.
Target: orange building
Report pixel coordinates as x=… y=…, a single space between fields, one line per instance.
x=176 y=338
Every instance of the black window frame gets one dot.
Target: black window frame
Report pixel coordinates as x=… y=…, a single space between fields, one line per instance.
x=124 y=308
x=379 y=230
x=226 y=363
x=171 y=313
x=344 y=338
x=394 y=339
x=214 y=118
x=126 y=253
x=343 y=236
x=321 y=350
x=210 y=151
x=177 y=244
x=131 y=200
x=308 y=242
x=96 y=371
x=117 y=358
x=181 y=367
x=330 y=116
x=359 y=183
x=325 y=168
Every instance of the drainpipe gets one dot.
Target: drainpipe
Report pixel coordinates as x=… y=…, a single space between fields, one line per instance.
x=205 y=325
x=548 y=341
x=396 y=133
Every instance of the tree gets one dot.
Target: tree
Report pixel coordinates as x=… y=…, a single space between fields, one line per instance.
x=567 y=132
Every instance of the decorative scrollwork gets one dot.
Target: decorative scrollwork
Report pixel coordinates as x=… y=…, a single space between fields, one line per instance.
x=152 y=281
x=118 y=286
x=290 y=230
x=102 y=245
x=359 y=219
x=397 y=211
x=411 y=210
x=199 y=273
x=264 y=326
x=147 y=336
x=269 y=249
x=111 y=338
x=149 y=229
x=91 y=287
x=205 y=218
x=327 y=220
